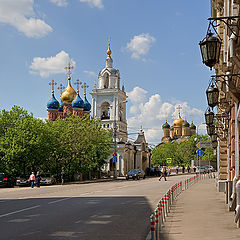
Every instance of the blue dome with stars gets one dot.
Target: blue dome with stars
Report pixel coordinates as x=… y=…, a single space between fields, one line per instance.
x=87 y=105
x=53 y=103
x=78 y=102
x=60 y=109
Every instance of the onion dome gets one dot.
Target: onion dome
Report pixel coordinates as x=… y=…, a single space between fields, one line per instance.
x=166 y=125
x=186 y=124
x=78 y=102
x=192 y=126
x=60 y=109
x=87 y=105
x=53 y=102
x=178 y=122
x=69 y=94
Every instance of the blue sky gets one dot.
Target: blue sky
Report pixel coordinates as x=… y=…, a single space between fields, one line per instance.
x=154 y=45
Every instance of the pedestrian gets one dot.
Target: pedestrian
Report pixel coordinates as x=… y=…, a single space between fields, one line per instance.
x=168 y=171
x=62 y=176
x=164 y=173
x=38 y=179
x=188 y=169
x=183 y=169
x=194 y=169
x=32 y=179
x=177 y=169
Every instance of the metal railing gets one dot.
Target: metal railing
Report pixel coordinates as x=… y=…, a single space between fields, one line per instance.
x=158 y=218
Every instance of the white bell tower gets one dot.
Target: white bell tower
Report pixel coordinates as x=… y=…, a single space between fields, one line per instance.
x=109 y=101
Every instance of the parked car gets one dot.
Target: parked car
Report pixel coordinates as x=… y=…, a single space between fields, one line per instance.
x=135 y=174
x=205 y=169
x=47 y=179
x=22 y=181
x=4 y=180
x=210 y=168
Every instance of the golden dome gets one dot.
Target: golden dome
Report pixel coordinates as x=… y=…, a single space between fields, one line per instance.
x=69 y=94
x=178 y=122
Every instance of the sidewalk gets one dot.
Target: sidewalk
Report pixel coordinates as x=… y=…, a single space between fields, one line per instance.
x=200 y=213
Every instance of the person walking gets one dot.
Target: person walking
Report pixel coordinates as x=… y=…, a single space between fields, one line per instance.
x=38 y=179
x=183 y=169
x=32 y=179
x=188 y=169
x=62 y=176
x=177 y=168
x=194 y=169
x=164 y=173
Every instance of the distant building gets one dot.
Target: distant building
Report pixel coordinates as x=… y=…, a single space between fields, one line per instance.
x=70 y=104
x=180 y=131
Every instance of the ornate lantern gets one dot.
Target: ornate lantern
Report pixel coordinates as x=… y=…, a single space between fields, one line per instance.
x=209 y=117
x=210 y=129
x=210 y=49
x=212 y=96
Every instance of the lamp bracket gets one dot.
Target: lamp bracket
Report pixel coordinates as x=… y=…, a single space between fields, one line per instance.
x=227 y=22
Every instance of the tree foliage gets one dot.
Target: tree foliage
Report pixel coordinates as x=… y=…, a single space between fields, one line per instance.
x=181 y=153
x=29 y=144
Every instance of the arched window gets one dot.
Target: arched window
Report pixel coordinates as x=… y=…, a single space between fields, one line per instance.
x=105 y=111
x=106 y=80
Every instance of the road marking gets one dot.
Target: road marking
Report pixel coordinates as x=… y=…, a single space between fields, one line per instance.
x=60 y=200
x=22 y=210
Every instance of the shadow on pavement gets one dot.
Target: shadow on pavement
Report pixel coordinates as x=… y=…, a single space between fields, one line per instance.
x=75 y=218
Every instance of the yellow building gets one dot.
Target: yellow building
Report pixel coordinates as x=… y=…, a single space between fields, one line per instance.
x=181 y=130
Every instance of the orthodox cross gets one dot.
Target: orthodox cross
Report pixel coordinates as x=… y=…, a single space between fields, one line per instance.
x=85 y=86
x=61 y=88
x=52 y=83
x=166 y=117
x=179 y=109
x=78 y=83
x=68 y=68
x=109 y=50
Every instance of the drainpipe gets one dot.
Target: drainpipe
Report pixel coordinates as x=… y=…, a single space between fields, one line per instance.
x=235 y=179
x=237 y=210
x=232 y=46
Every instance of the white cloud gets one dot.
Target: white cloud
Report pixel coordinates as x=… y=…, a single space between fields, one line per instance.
x=94 y=3
x=60 y=3
x=90 y=73
x=20 y=14
x=151 y=113
x=51 y=65
x=140 y=45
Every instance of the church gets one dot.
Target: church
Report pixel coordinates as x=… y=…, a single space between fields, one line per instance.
x=180 y=131
x=109 y=105
x=70 y=103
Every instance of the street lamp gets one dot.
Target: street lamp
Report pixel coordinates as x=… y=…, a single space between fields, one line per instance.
x=210 y=129
x=212 y=95
x=115 y=127
x=209 y=117
x=210 y=49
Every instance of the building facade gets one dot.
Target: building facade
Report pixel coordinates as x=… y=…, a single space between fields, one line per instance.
x=227 y=78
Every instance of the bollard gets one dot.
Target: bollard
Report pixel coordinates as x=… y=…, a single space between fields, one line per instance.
x=156 y=224
x=152 y=222
x=160 y=215
x=163 y=209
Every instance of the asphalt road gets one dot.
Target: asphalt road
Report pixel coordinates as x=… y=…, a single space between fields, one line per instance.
x=116 y=210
